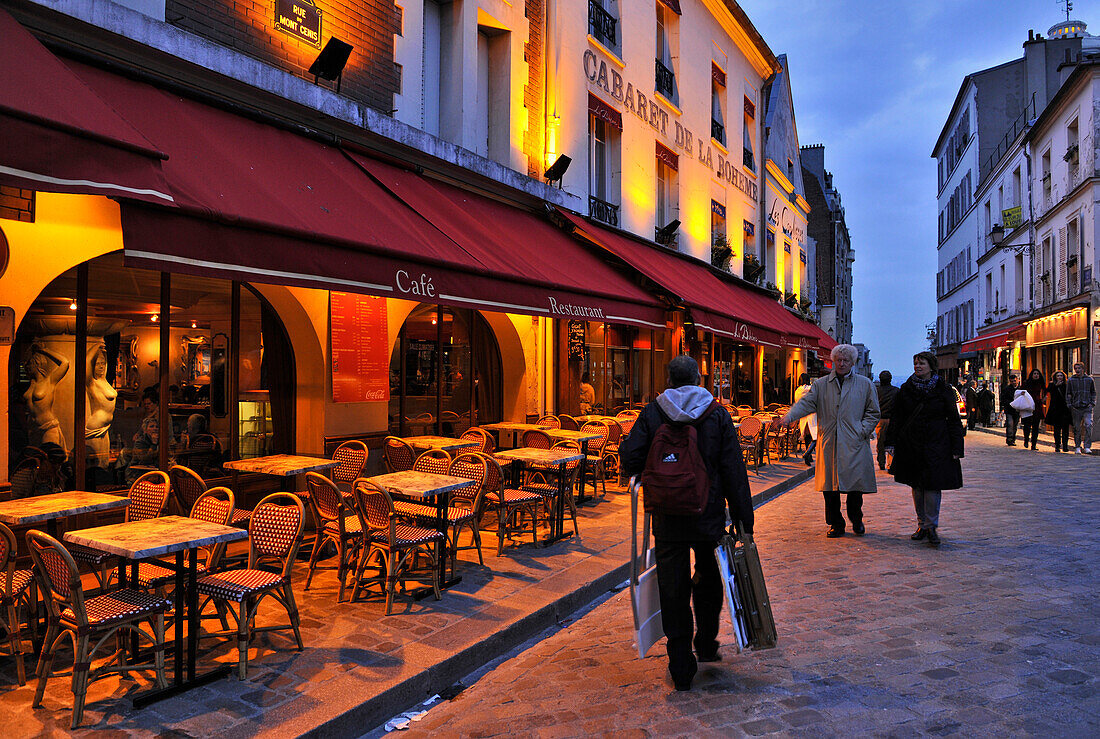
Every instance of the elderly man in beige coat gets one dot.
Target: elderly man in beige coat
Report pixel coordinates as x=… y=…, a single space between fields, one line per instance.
x=847 y=411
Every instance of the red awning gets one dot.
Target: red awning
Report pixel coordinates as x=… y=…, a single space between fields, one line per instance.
x=58 y=136
x=987 y=341
x=255 y=202
x=716 y=305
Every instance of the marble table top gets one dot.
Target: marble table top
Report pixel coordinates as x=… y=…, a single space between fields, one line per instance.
x=513 y=426
x=155 y=536
x=541 y=456
x=571 y=435
x=281 y=465
x=41 y=508
x=420 y=484
x=586 y=419
x=439 y=442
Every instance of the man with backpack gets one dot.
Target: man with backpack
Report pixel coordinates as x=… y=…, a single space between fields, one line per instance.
x=688 y=453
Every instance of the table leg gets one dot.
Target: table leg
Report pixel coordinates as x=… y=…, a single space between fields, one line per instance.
x=192 y=611
x=557 y=521
x=177 y=621
x=583 y=498
x=441 y=506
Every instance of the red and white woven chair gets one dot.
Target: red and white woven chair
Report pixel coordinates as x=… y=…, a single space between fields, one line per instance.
x=274 y=538
x=213 y=506
x=549 y=421
x=88 y=622
x=338 y=523
x=16 y=587
x=148 y=498
x=546 y=484
x=481 y=436
x=512 y=507
x=395 y=546
x=398 y=454
x=352 y=456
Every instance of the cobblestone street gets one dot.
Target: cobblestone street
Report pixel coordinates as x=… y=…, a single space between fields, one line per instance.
x=994 y=634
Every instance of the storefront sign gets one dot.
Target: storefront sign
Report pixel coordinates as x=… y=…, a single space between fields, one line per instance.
x=419 y=285
x=360 y=348
x=781 y=215
x=1011 y=217
x=575 y=311
x=576 y=341
x=665 y=124
x=7 y=325
x=1069 y=325
x=745 y=332
x=300 y=19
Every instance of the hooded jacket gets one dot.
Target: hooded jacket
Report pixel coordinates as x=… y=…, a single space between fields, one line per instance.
x=721 y=451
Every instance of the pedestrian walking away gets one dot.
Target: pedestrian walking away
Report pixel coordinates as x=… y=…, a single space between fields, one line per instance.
x=971 y=398
x=1036 y=386
x=886 y=394
x=847 y=411
x=676 y=537
x=925 y=439
x=807 y=427
x=1057 y=413
x=1081 y=399
x=1012 y=416
x=985 y=405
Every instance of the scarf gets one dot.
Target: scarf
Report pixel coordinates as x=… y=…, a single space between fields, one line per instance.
x=925 y=386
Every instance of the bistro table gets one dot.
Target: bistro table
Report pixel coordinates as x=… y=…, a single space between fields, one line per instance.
x=543 y=458
x=583 y=437
x=137 y=540
x=513 y=429
x=426 y=485
x=445 y=443
x=49 y=508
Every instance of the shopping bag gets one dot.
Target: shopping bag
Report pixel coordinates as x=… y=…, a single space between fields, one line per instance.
x=1024 y=403
x=645 y=599
x=746 y=593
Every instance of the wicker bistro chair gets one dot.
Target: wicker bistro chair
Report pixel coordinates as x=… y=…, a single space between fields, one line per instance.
x=396 y=546
x=511 y=506
x=610 y=456
x=481 y=436
x=594 y=468
x=273 y=542
x=549 y=490
x=213 y=506
x=352 y=456
x=433 y=460
x=23 y=478
x=188 y=486
x=536 y=439
x=751 y=433
x=568 y=422
x=548 y=420
x=148 y=498
x=16 y=587
x=89 y=621
x=398 y=454
x=336 y=522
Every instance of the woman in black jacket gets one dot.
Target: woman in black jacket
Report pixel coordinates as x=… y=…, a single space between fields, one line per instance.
x=1036 y=386
x=925 y=436
x=1058 y=416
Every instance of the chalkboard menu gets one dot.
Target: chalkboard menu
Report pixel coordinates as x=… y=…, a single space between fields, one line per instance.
x=360 y=348
x=576 y=340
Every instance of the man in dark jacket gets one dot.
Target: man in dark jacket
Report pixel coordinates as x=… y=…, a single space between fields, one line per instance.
x=1012 y=416
x=676 y=536
x=886 y=395
x=971 y=398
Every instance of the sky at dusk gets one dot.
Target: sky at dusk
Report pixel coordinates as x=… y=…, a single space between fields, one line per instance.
x=874 y=82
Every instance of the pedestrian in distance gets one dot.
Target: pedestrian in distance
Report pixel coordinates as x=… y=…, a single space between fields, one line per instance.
x=1057 y=413
x=1012 y=416
x=1036 y=387
x=886 y=395
x=676 y=537
x=971 y=398
x=985 y=405
x=925 y=438
x=1081 y=399
x=847 y=411
x=807 y=426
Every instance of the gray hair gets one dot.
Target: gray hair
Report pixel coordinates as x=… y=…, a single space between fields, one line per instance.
x=845 y=349
x=683 y=370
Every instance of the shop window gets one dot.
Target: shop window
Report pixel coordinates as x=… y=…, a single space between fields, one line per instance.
x=605 y=148
x=133 y=389
x=445 y=373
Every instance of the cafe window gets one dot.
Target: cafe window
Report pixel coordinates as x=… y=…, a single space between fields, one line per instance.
x=733 y=373
x=226 y=378
x=445 y=373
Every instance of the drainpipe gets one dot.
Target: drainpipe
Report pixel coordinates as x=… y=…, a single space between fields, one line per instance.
x=1030 y=231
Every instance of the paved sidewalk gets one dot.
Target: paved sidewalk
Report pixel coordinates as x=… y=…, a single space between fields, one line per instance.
x=994 y=634
x=359 y=666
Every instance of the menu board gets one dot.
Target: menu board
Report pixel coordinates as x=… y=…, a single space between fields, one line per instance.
x=576 y=340
x=360 y=348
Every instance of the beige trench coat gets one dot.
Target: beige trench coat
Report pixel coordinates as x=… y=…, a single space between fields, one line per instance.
x=845 y=419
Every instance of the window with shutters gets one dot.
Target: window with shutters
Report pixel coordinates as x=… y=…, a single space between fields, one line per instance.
x=1061 y=262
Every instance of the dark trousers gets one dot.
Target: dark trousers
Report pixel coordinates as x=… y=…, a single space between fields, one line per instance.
x=679 y=590
x=1012 y=420
x=832 y=509
x=1061 y=437
x=1031 y=430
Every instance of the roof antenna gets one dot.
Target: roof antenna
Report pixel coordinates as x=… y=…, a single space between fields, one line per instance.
x=1069 y=7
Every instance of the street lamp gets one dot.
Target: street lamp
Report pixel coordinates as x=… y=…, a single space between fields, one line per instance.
x=997 y=233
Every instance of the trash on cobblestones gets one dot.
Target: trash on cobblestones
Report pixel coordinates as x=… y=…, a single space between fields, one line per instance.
x=401 y=722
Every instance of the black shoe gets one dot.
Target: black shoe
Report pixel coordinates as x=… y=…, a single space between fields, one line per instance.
x=918 y=534
x=834 y=533
x=683 y=687
x=1032 y=447
x=808 y=458
x=712 y=657
x=933 y=537
x=859 y=529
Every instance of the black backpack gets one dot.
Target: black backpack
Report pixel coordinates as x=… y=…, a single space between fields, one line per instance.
x=675 y=480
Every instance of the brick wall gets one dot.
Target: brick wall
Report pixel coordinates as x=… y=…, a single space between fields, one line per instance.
x=249 y=27
x=534 y=141
x=17 y=204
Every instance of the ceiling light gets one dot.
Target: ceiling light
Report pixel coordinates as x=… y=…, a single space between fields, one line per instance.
x=73 y=305
x=154 y=318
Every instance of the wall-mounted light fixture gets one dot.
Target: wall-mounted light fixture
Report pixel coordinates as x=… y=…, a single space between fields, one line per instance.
x=154 y=318
x=557 y=170
x=330 y=63
x=665 y=233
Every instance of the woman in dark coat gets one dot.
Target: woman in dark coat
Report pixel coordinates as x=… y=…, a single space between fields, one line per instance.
x=1058 y=416
x=1036 y=387
x=925 y=437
